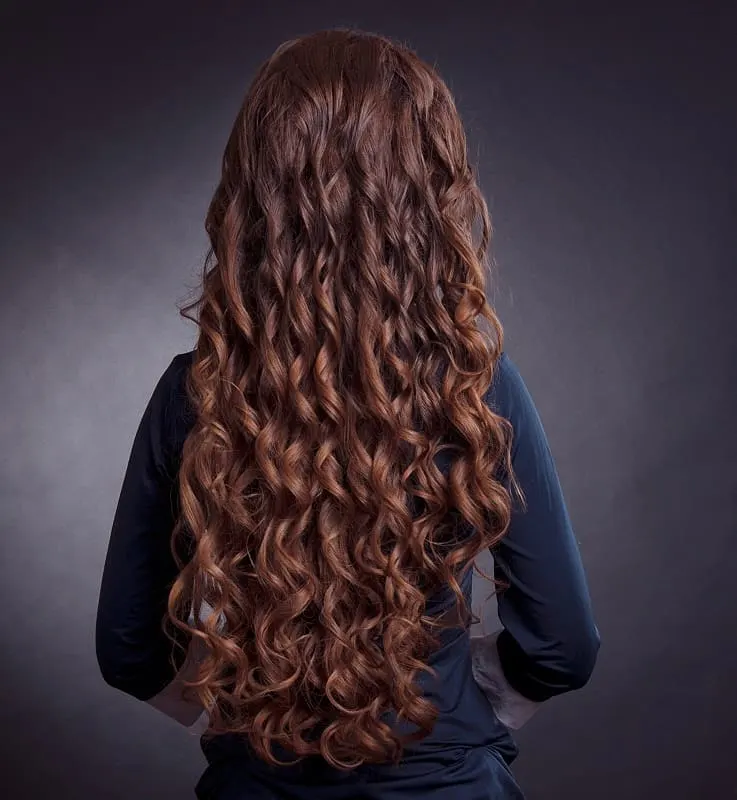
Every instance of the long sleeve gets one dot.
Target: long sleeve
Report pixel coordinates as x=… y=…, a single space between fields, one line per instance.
x=549 y=641
x=133 y=652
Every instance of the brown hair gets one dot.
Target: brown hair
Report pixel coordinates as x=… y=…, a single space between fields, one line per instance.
x=345 y=339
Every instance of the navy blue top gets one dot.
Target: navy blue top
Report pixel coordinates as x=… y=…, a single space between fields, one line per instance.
x=549 y=641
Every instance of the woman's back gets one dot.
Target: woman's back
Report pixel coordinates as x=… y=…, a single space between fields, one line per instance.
x=549 y=643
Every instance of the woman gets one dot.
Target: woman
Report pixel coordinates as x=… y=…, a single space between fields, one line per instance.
x=344 y=440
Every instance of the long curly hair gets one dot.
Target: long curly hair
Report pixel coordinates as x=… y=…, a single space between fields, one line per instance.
x=345 y=340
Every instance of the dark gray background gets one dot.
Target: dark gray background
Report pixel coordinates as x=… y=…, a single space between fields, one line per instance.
x=606 y=140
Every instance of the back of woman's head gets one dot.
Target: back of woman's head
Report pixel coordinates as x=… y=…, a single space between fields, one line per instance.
x=345 y=339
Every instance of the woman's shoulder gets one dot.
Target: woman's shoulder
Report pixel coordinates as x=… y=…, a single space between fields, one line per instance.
x=172 y=383
x=178 y=417
x=179 y=365
x=507 y=389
